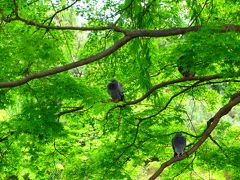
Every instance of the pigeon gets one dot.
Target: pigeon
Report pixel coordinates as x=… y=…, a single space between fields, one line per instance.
x=115 y=90
x=185 y=71
x=178 y=144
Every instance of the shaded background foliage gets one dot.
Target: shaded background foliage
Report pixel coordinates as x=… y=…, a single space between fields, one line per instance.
x=100 y=140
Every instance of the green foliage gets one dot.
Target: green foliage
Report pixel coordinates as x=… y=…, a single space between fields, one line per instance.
x=43 y=136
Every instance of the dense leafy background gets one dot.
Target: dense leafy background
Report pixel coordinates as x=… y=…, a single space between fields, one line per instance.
x=100 y=141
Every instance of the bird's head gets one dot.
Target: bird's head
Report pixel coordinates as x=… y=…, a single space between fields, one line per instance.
x=113 y=84
x=178 y=134
x=180 y=68
x=114 y=81
x=182 y=57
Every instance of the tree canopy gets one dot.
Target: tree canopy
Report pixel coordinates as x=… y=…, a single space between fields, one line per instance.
x=57 y=119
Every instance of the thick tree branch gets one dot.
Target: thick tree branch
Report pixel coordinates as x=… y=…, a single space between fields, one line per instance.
x=72 y=28
x=129 y=35
x=179 y=31
x=133 y=33
x=56 y=70
x=215 y=120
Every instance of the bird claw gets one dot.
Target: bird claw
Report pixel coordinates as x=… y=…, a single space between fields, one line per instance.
x=179 y=155
x=115 y=100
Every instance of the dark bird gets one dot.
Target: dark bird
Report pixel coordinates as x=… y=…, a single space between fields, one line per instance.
x=178 y=144
x=185 y=71
x=115 y=90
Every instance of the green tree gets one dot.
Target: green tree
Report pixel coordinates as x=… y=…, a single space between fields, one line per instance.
x=57 y=120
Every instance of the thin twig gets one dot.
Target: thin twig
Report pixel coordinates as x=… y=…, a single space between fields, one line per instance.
x=186 y=167
x=170 y=100
x=183 y=132
x=67 y=7
x=195 y=18
x=218 y=145
x=72 y=110
x=6 y=137
x=163 y=84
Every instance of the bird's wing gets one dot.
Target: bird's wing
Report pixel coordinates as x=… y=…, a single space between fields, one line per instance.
x=175 y=154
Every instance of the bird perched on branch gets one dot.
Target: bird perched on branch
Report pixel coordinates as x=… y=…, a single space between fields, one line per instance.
x=185 y=71
x=178 y=144
x=115 y=90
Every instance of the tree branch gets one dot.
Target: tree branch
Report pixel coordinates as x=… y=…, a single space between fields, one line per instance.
x=15 y=9
x=218 y=145
x=170 y=100
x=219 y=82
x=52 y=17
x=56 y=70
x=129 y=35
x=179 y=31
x=215 y=120
x=133 y=33
x=163 y=84
x=6 y=137
x=183 y=132
x=72 y=28
x=133 y=142
x=70 y=111
x=186 y=167
x=198 y=14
